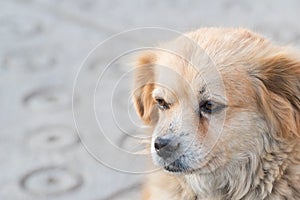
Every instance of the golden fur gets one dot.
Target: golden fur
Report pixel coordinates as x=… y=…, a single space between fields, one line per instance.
x=247 y=149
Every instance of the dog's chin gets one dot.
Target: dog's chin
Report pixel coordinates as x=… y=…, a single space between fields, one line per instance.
x=174 y=170
x=177 y=167
x=182 y=168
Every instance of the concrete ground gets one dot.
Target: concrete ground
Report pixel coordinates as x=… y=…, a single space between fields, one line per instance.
x=49 y=150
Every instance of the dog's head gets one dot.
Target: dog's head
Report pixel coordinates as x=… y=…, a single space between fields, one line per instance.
x=214 y=103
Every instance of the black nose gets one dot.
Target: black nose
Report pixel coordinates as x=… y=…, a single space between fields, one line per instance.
x=165 y=147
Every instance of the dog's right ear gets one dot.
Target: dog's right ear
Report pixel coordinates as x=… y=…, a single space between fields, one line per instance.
x=279 y=93
x=143 y=87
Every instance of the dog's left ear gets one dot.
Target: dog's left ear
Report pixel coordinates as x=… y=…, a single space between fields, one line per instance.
x=143 y=87
x=279 y=93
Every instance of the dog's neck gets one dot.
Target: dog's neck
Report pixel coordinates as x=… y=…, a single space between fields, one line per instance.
x=257 y=177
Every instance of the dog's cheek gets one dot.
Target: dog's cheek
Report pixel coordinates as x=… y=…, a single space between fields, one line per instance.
x=241 y=133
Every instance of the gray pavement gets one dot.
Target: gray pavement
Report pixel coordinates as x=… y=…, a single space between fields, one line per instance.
x=43 y=46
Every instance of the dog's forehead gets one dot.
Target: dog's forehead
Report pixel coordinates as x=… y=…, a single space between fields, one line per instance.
x=188 y=74
x=209 y=59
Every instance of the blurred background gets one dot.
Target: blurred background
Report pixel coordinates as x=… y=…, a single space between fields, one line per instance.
x=68 y=129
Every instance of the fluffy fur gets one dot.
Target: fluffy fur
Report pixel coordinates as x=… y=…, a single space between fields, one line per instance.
x=248 y=148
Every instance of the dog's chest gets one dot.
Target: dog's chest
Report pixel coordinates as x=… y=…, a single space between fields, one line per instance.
x=202 y=186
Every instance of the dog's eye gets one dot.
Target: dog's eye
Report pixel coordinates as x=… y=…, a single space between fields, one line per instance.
x=162 y=104
x=210 y=107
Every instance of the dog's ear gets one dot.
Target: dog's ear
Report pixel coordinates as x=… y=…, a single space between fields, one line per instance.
x=279 y=93
x=143 y=87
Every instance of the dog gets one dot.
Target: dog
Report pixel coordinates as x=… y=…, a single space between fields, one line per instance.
x=223 y=106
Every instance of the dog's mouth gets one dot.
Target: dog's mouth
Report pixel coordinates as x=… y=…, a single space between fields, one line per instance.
x=173 y=168
x=180 y=167
x=177 y=167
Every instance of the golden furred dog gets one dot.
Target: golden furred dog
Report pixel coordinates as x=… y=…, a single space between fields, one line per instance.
x=224 y=109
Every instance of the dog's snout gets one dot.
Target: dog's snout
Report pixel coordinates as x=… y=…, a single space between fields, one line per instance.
x=165 y=147
x=161 y=143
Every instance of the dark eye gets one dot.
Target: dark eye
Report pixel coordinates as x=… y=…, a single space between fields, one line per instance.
x=162 y=104
x=210 y=107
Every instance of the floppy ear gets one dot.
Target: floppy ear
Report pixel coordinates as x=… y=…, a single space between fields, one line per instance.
x=279 y=93
x=143 y=87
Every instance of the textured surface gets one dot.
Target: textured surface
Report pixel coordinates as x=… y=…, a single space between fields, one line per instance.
x=43 y=44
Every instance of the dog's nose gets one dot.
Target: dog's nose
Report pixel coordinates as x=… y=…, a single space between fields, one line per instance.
x=165 y=147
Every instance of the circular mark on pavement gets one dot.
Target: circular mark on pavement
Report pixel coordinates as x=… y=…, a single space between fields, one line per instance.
x=48 y=99
x=16 y=26
x=30 y=59
x=53 y=137
x=51 y=181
